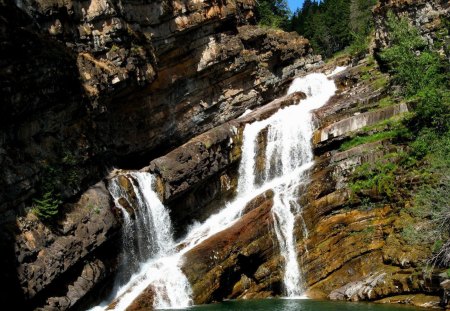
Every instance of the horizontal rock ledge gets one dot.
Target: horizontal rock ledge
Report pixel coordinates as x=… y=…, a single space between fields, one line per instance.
x=209 y=153
x=340 y=130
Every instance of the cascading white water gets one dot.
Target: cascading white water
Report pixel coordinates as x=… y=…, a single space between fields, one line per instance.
x=289 y=149
x=288 y=158
x=154 y=249
x=128 y=257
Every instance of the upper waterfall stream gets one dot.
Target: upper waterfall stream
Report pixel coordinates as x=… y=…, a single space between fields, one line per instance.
x=154 y=258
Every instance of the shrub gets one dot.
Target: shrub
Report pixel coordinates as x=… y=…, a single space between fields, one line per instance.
x=378 y=176
x=432 y=110
x=420 y=72
x=47 y=207
x=432 y=200
x=424 y=80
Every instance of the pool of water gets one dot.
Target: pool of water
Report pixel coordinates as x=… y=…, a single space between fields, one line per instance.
x=298 y=305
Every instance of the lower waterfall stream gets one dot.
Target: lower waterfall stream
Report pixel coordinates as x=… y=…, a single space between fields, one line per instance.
x=152 y=257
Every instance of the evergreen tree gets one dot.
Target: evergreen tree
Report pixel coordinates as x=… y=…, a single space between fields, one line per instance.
x=273 y=13
x=332 y=25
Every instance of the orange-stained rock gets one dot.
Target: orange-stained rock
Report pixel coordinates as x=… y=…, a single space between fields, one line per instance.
x=418 y=300
x=144 y=302
x=241 y=261
x=100 y=84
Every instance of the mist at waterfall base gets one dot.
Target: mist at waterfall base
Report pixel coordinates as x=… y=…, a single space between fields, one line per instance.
x=298 y=305
x=151 y=257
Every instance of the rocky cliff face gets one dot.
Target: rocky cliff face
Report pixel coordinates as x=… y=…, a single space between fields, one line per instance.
x=88 y=85
x=91 y=85
x=132 y=81
x=356 y=250
x=432 y=18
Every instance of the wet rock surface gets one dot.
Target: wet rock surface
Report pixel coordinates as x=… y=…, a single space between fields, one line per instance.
x=197 y=176
x=92 y=85
x=239 y=262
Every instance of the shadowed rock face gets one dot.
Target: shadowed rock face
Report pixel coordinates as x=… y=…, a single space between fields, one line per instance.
x=64 y=261
x=88 y=85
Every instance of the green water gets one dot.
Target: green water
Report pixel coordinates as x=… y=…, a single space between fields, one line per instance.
x=298 y=305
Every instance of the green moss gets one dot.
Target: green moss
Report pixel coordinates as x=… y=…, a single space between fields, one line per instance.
x=394 y=123
x=208 y=143
x=94 y=208
x=386 y=102
x=380 y=82
x=379 y=176
x=360 y=140
x=410 y=235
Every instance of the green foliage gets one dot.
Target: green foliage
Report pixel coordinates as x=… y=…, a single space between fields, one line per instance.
x=332 y=25
x=386 y=102
x=423 y=78
x=57 y=177
x=46 y=207
x=360 y=140
x=378 y=176
x=421 y=73
x=411 y=235
x=437 y=245
x=273 y=13
x=448 y=273
x=432 y=199
x=421 y=146
x=432 y=110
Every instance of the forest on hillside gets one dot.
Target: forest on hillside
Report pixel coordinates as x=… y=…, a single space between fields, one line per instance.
x=330 y=25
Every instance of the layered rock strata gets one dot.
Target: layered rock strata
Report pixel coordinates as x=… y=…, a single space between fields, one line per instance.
x=356 y=249
x=58 y=265
x=92 y=85
x=193 y=178
x=242 y=261
x=430 y=17
x=138 y=79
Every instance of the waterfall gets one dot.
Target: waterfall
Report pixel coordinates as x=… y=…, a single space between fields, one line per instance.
x=288 y=156
x=289 y=150
x=149 y=257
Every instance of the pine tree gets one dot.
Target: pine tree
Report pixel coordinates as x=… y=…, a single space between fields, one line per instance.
x=273 y=13
x=330 y=25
